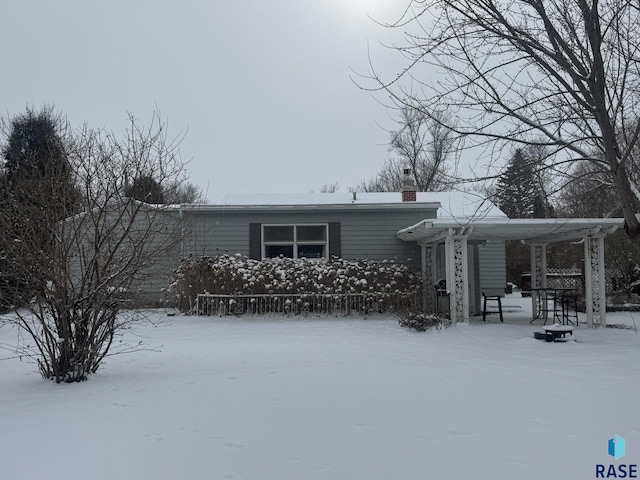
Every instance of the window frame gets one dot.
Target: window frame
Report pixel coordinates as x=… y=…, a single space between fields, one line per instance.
x=295 y=242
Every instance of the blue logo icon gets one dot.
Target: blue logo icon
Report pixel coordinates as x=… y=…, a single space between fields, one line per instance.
x=616 y=447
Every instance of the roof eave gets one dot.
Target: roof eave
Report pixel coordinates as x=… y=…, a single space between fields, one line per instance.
x=201 y=208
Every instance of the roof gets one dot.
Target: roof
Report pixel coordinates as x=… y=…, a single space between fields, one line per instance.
x=458 y=205
x=529 y=230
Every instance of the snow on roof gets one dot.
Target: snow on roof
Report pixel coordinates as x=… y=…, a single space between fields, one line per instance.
x=458 y=205
x=463 y=206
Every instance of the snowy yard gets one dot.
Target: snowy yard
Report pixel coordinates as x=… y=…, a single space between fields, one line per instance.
x=294 y=399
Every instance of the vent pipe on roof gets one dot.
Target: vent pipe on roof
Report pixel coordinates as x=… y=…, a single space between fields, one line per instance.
x=408 y=187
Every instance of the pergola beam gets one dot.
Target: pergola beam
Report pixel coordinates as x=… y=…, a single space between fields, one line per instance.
x=573 y=236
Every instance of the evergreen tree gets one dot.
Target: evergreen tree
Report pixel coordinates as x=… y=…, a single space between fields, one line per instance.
x=38 y=172
x=146 y=189
x=34 y=147
x=520 y=193
x=37 y=191
x=516 y=191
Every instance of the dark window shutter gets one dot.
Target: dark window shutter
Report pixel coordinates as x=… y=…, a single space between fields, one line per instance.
x=335 y=243
x=255 y=241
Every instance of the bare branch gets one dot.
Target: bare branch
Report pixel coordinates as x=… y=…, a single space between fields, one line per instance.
x=562 y=74
x=87 y=273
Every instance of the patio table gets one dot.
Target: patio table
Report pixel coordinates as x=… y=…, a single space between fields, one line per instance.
x=544 y=295
x=557 y=331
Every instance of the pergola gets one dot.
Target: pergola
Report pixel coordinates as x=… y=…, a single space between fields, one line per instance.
x=536 y=232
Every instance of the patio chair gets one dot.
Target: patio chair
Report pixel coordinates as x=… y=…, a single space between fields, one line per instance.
x=442 y=296
x=569 y=301
x=493 y=298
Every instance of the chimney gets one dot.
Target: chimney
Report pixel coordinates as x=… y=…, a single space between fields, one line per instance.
x=408 y=187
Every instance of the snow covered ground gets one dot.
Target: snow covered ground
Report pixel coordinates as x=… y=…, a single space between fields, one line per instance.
x=327 y=398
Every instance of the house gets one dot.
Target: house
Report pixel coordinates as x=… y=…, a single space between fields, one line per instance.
x=456 y=239
x=351 y=225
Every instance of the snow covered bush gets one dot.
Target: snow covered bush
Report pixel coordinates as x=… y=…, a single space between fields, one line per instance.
x=422 y=322
x=394 y=286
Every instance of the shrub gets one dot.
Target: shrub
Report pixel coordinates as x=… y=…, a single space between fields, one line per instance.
x=422 y=322
x=396 y=286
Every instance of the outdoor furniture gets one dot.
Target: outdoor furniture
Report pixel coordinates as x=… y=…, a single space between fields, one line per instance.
x=557 y=332
x=442 y=296
x=569 y=304
x=493 y=298
x=544 y=295
x=548 y=302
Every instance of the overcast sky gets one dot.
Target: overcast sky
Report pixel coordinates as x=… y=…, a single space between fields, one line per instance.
x=262 y=87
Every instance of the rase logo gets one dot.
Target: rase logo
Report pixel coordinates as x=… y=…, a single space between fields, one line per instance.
x=616 y=448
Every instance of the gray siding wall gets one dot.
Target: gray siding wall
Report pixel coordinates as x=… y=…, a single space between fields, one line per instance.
x=364 y=234
x=153 y=234
x=492 y=265
x=161 y=253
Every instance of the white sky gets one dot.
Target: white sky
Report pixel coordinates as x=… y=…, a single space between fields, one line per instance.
x=263 y=88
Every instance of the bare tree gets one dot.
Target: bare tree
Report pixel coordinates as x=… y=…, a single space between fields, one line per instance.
x=172 y=192
x=589 y=192
x=330 y=187
x=562 y=74
x=388 y=179
x=96 y=258
x=182 y=191
x=422 y=144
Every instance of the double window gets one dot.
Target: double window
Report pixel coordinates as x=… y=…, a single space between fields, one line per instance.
x=295 y=241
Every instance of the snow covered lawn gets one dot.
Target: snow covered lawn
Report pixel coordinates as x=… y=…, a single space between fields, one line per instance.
x=325 y=398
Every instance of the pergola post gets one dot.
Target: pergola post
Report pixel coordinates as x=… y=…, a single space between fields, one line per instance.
x=595 y=281
x=457 y=274
x=429 y=258
x=538 y=272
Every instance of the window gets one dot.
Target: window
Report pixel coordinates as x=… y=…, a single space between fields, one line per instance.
x=295 y=241
x=328 y=243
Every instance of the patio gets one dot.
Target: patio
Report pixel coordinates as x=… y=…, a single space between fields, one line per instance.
x=517 y=310
x=457 y=236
